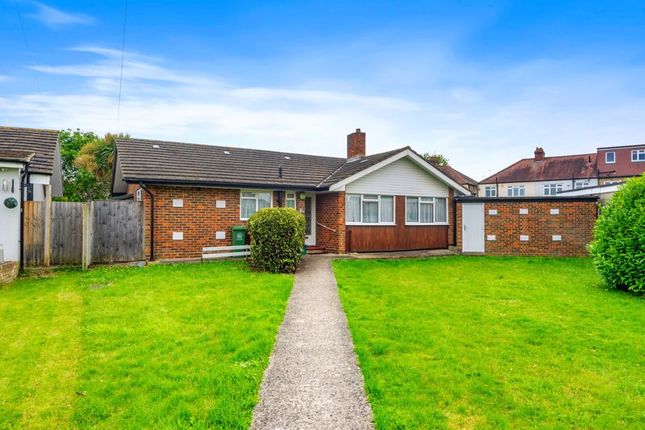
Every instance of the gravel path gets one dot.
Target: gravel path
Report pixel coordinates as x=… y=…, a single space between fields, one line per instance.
x=313 y=380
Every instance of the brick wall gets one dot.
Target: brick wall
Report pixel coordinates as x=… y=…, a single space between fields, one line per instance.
x=8 y=271
x=573 y=223
x=199 y=219
x=330 y=211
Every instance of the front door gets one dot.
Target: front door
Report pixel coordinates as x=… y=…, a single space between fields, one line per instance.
x=310 y=219
x=473 y=227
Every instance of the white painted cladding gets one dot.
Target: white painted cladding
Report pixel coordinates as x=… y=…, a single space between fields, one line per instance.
x=10 y=218
x=402 y=178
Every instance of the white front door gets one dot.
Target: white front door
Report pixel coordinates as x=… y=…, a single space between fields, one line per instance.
x=310 y=219
x=472 y=227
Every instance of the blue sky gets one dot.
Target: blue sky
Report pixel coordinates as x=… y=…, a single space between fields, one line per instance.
x=481 y=82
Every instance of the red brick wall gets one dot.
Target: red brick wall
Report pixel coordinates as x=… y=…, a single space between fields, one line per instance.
x=199 y=219
x=330 y=211
x=574 y=224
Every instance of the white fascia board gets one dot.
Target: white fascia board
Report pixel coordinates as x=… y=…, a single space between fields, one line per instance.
x=11 y=165
x=39 y=178
x=340 y=186
x=590 y=191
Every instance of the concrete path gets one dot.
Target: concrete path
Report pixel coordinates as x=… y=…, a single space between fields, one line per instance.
x=313 y=380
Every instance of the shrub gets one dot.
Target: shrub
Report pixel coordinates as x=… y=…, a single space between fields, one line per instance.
x=277 y=238
x=618 y=248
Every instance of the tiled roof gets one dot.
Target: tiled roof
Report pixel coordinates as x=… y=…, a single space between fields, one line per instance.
x=456 y=175
x=41 y=142
x=174 y=162
x=189 y=163
x=16 y=155
x=551 y=168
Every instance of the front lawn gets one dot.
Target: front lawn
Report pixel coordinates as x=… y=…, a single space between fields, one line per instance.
x=484 y=342
x=155 y=347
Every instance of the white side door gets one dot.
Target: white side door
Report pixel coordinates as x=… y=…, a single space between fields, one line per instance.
x=310 y=219
x=472 y=227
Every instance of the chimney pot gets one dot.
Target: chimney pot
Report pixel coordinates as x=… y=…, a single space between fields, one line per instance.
x=356 y=144
x=539 y=154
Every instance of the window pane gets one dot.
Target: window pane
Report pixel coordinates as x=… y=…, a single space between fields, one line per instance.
x=248 y=194
x=521 y=191
x=412 y=209
x=353 y=209
x=441 y=210
x=427 y=199
x=264 y=200
x=291 y=203
x=387 y=209
x=370 y=197
x=425 y=212
x=248 y=207
x=370 y=211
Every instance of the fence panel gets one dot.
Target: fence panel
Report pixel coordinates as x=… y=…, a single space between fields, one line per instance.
x=117 y=231
x=67 y=233
x=34 y=233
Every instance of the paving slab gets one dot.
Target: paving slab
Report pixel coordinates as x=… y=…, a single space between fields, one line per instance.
x=313 y=380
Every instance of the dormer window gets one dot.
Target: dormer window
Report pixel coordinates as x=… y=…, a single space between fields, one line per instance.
x=638 y=155
x=610 y=157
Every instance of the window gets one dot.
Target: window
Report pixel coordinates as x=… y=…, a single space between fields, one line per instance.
x=369 y=209
x=515 y=190
x=290 y=200
x=552 y=189
x=610 y=157
x=490 y=191
x=139 y=195
x=638 y=155
x=253 y=201
x=426 y=210
x=582 y=184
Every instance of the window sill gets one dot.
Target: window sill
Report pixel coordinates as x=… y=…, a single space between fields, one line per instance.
x=425 y=224
x=367 y=224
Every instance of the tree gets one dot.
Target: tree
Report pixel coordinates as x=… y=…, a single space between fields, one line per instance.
x=436 y=159
x=618 y=248
x=87 y=164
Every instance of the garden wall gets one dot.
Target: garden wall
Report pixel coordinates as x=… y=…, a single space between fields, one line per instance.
x=537 y=226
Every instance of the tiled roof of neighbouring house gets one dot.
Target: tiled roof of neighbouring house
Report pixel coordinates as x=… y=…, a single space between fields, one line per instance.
x=456 y=175
x=43 y=143
x=550 y=168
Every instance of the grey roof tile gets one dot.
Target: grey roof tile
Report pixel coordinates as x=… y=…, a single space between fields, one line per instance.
x=41 y=142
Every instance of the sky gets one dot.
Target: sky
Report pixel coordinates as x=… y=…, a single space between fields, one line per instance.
x=482 y=82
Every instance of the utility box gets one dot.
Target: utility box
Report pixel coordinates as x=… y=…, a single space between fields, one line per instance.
x=239 y=235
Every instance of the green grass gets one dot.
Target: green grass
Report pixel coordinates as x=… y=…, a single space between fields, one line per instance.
x=483 y=342
x=155 y=347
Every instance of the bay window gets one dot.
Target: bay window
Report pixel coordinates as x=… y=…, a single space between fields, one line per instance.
x=369 y=209
x=426 y=210
x=253 y=201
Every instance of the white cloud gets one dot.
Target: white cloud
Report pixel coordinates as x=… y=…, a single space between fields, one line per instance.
x=56 y=18
x=481 y=121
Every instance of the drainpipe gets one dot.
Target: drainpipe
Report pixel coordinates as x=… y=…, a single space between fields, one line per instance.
x=23 y=177
x=152 y=220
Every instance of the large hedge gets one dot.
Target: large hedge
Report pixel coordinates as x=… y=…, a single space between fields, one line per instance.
x=618 y=248
x=277 y=238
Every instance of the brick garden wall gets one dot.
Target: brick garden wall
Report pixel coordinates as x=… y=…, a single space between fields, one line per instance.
x=573 y=222
x=330 y=211
x=8 y=271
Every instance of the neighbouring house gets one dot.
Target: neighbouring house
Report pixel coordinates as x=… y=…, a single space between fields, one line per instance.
x=567 y=174
x=30 y=169
x=194 y=194
x=465 y=181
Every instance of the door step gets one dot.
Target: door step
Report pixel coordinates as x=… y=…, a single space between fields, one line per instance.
x=315 y=249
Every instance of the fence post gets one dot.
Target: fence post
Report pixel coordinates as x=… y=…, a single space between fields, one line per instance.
x=87 y=235
x=47 y=242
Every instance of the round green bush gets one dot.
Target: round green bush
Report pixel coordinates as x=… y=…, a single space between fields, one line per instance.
x=277 y=239
x=618 y=248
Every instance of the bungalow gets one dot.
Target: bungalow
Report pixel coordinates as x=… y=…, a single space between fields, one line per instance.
x=194 y=194
x=30 y=169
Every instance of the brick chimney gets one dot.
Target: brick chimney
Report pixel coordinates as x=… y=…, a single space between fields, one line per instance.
x=539 y=154
x=356 y=144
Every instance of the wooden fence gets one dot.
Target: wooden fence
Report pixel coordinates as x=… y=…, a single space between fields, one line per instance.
x=107 y=231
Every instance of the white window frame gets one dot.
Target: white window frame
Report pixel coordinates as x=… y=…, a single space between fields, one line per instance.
x=378 y=199
x=638 y=155
x=434 y=210
x=551 y=189
x=290 y=196
x=256 y=198
x=510 y=191
x=614 y=155
x=581 y=184
x=490 y=191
